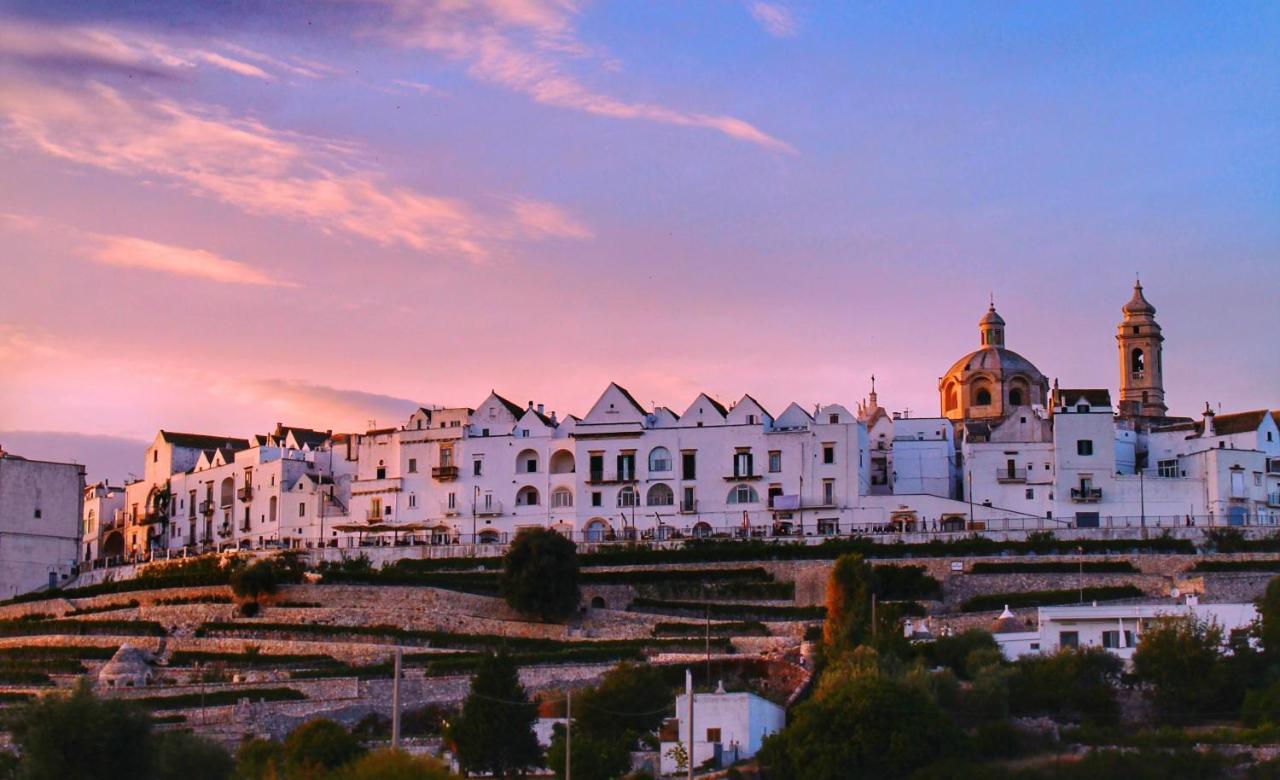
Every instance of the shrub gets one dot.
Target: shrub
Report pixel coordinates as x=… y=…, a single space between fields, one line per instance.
x=753 y=612
x=184 y=701
x=130 y=604
x=319 y=745
x=81 y=628
x=255 y=581
x=540 y=574
x=1052 y=567
x=1078 y=684
x=906 y=582
x=1043 y=598
x=740 y=628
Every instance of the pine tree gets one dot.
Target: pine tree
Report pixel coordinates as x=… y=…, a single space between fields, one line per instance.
x=494 y=732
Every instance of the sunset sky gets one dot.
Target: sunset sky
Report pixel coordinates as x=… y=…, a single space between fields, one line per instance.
x=216 y=216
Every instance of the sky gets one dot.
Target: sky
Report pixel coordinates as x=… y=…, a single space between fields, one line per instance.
x=219 y=216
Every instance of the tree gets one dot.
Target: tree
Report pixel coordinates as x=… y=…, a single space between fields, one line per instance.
x=849 y=590
x=871 y=727
x=494 y=732
x=254 y=581
x=953 y=651
x=540 y=574
x=1074 y=683
x=259 y=759
x=387 y=764
x=1269 y=619
x=82 y=736
x=1179 y=661
x=318 y=746
x=181 y=755
x=630 y=702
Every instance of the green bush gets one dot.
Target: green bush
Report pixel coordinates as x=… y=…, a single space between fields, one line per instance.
x=1044 y=598
x=1233 y=566
x=81 y=628
x=906 y=582
x=218 y=698
x=130 y=604
x=54 y=652
x=738 y=628
x=208 y=598
x=727 y=611
x=1052 y=567
x=190 y=657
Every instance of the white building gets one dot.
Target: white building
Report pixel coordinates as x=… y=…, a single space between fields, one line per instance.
x=103 y=505
x=728 y=727
x=1114 y=627
x=41 y=507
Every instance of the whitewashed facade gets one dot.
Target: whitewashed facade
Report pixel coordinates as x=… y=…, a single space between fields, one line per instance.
x=41 y=510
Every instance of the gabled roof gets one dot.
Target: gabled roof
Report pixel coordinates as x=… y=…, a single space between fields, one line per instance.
x=516 y=409
x=607 y=404
x=748 y=399
x=699 y=407
x=201 y=441
x=303 y=436
x=1092 y=396
x=794 y=416
x=1237 y=422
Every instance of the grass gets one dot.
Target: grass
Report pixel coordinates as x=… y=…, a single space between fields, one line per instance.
x=218 y=698
x=727 y=611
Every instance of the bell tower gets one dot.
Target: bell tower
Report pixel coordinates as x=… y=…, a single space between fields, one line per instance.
x=1141 y=359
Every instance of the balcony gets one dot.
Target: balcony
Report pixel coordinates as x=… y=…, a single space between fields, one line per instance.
x=1273 y=465
x=1086 y=495
x=689 y=507
x=742 y=477
x=491 y=509
x=450 y=511
x=224 y=530
x=373 y=515
x=1011 y=475
x=444 y=473
x=151 y=518
x=245 y=493
x=600 y=478
x=1273 y=499
x=207 y=507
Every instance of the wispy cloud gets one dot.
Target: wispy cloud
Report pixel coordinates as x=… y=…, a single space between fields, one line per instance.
x=777 y=20
x=259 y=169
x=524 y=45
x=132 y=252
x=325 y=403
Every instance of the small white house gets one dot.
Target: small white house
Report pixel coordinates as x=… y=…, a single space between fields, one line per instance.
x=1114 y=627
x=728 y=727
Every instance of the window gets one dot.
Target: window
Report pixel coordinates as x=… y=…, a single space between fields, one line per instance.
x=828 y=492
x=751 y=419
x=743 y=494
x=982 y=397
x=561 y=498
x=742 y=464
x=453 y=501
x=1031 y=494
x=1257 y=479
x=627 y=466
x=1167 y=468
x=527 y=496
x=1082 y=408
x=1111 y=639
x=302 y=509
x=413 y=500
x=1015 y=398
x=627 y=496
x=660 y=495
x=687 y=501
x=828 y=453
x=1084 y=446
x=477 y=467
x=689 y=464
x=775 y=461
x=1237 y=484
x=1137 y=362
x=834 y=419
x=1068 y=638
x=659 y=459
x=446 y=457
x=484 y=431
x=413 y=465
x=713 y=735
x=155 y=456
x=595 y=468
x=380 y=473
x=596 y=498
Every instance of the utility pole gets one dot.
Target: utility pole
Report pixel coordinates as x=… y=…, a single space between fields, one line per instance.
x=1142 y=498
x=969 y=495
x=475 y=498
x=688 y=687
x=1080 y=580
x=873 y=616
x=395 y=701
x=568 y=734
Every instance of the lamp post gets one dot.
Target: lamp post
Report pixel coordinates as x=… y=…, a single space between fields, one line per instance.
x=475 y=499
x=1080 y=576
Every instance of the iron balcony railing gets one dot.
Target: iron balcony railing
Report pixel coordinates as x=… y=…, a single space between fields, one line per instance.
x=1086 y=495
x=444 y=473
x=1011 y=475
x=245 y=493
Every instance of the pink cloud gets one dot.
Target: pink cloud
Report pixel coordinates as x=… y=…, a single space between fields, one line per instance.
x=521 y=44
x=261 y=170
x=776 y=20
x=131 y=252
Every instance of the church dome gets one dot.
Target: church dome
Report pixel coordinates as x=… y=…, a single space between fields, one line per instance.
x=992 y=381
x=991 y=317
x=992 y=359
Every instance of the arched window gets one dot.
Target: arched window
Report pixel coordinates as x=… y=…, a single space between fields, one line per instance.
x=561 y=498
x=701 y=530
x=227 y=491
x=527 y=496
x=743 y=494
x=982 y=397
x=562 y=462
x=1015 y=397
x=950 y=397
x=527 y=462
x=659 y=459
x=1137 y=362
x=660 y=495
x=627 y=496
x=488 y=536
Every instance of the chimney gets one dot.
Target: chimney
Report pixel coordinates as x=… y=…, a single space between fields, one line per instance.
x=553 y=419
x=540 y=409
x=1208 y=421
